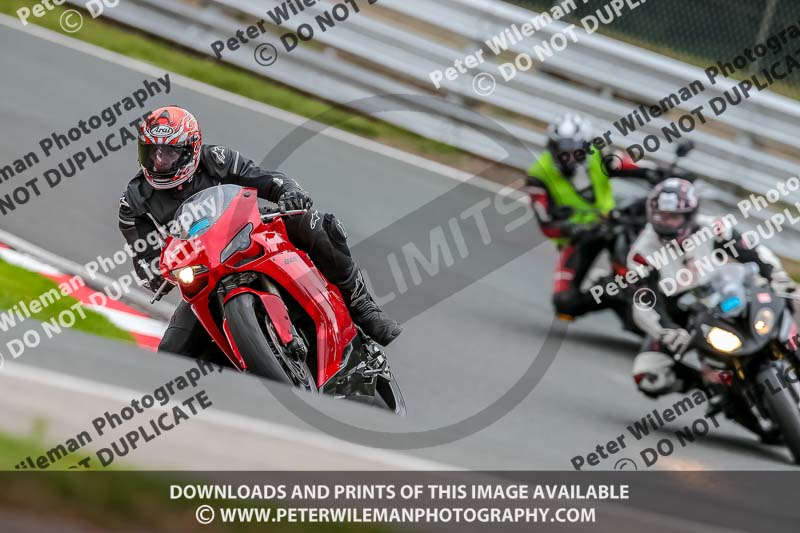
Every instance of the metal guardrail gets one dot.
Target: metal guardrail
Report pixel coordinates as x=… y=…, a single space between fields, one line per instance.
x=375 y=55
x=390 y=48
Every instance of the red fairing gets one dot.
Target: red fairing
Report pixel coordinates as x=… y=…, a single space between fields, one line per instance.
x=270 y=253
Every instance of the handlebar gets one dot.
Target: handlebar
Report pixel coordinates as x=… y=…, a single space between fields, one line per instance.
x=161 y=292
x=273 y=213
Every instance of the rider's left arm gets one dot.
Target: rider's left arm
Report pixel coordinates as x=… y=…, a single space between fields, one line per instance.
x=229 y=166
x=769 y=265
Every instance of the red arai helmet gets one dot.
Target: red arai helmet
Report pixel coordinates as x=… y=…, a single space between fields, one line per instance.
x=169 y=147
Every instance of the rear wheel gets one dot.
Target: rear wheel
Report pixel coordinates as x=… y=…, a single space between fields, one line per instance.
x=258 y=342
x=783 y=408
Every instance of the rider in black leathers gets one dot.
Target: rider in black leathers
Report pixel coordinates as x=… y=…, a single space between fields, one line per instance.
x=175 y=165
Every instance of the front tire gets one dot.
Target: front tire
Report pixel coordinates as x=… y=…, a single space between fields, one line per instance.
x=258 y=343
x=783 y=409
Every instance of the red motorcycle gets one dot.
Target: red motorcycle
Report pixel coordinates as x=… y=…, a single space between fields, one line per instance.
x=265 y=304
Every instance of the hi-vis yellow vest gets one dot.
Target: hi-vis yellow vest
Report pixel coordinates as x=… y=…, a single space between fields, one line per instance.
x=563 y=193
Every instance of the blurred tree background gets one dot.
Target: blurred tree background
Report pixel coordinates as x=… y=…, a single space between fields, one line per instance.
x=699 y=32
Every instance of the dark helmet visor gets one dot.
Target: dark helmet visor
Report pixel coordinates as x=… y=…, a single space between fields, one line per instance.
x=669 y=223
x=164 y=159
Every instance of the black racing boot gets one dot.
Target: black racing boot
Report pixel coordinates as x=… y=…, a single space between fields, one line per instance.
x=366 y=313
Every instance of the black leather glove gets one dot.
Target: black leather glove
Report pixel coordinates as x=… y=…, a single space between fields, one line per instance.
x=782 y=283
x=153 y=283
x=148 y=272
x=563 y=212
x=588 y=232
x=294 y=199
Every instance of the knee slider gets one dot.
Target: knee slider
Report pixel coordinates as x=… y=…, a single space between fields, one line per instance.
x=334 y=228
x=654 y=372
x=336 y=233
x=565 y=303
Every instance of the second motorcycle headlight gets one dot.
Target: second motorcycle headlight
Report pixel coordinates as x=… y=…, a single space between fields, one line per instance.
x=723 y=340
x=241 y=241
x=764 y=321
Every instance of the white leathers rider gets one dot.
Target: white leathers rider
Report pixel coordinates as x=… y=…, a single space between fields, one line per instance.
x=677 y=251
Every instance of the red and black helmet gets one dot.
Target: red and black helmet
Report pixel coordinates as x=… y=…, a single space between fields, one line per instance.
x=169 y=147
x=672 y=207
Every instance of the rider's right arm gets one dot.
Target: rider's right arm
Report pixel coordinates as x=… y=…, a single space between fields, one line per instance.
x=136 y=229
x=649 y=309
x=648 y=318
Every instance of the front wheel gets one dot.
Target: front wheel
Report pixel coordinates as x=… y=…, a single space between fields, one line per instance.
x=782 y=407
x=258 y=342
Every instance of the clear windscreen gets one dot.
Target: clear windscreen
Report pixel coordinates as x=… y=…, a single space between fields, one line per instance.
x=727 y=286
x=201 y=211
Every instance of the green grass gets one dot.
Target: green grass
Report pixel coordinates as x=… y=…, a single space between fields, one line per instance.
x=113 y=500
x=18 y=284
x=15 y=449
x=208 y=70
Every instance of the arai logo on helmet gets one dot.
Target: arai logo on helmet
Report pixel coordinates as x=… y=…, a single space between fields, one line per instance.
x=162 y=130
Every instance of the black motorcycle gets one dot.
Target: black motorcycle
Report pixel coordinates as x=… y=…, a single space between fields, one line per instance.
x=744 y=349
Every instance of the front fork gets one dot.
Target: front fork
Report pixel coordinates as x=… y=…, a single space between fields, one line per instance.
x=275 y=308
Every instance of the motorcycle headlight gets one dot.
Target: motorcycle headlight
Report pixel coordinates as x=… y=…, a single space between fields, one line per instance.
x=186 y=275
x=241 y=241
x=764 y=321
x=723 y=340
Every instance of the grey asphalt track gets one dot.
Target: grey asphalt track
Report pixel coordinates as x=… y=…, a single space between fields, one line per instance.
x=454 y=359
